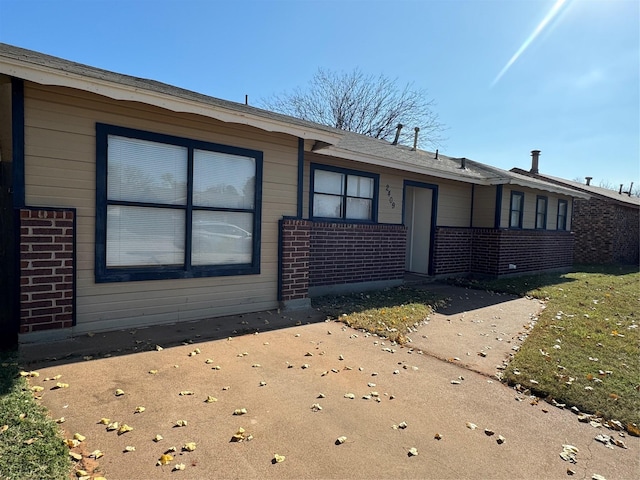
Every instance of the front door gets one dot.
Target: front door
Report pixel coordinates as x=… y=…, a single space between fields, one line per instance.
x=418 y=211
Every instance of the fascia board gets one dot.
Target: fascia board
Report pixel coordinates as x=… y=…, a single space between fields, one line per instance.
x=49 y=76
x=404 y=166
x=548 y=188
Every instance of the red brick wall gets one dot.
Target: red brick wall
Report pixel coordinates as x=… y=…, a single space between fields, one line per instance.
x=605 y=232
x=352 y=253
x=489 y=251
x=294 y=244
x=47 y=278
x=323 y=253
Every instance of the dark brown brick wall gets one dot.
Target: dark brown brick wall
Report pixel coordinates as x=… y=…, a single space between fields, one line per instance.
x=47 y=280
x=323 y=253
x=490 y=251
x=353 y=253
x=605 y=232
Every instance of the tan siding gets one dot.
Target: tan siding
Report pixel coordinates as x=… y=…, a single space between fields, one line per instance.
x=60 y=171
x=484 y=206
x=529 y=215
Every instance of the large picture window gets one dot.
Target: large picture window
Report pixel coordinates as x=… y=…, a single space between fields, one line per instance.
x=170 y=207
x=516 y=209
x=343 y=194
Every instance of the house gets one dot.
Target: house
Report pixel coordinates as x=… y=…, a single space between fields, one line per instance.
x=127 y=202
x=606 y=226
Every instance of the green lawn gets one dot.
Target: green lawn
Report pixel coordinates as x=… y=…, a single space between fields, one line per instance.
x=390 y=313
x=585 y=349
x=31 y=446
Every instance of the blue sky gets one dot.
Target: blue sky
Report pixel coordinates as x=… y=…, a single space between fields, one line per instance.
x=572 y=93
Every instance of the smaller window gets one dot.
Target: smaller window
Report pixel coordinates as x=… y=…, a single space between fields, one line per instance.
x=343 y=194
x=515 y=213
x=562 y=215
x=541 y=212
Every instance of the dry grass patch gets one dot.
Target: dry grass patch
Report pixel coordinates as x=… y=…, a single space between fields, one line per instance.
x=390 y=313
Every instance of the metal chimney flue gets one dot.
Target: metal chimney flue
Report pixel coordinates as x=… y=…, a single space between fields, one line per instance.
x=620 y=191
x=630 y=188
x=415 y=138
x=535 y=157
x=463 y=163
x=398 y=128
x=588 y=179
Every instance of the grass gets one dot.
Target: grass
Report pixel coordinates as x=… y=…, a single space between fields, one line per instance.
x=585 y=348
x=31 y=446
x=391 y=313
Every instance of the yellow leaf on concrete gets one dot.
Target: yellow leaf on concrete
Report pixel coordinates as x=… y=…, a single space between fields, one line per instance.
x=278 y=458
x=75 y=456
x=79 y=437
x=119 y=392
x=124 y=429
x=165 y=459
x=139 y=410
x=104 y=421
x=189 y=447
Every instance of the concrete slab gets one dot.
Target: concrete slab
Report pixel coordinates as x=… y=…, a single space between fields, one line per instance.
x=412 y=387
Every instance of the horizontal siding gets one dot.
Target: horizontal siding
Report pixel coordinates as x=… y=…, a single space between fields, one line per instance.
x=529 y=214
x=60 y=171
x=484 y=206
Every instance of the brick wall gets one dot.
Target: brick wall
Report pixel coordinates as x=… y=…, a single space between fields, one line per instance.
x=626 y=243
x=323 y=253
x=489 y=251
x=47 y=271
x=294 y=244
x=354 y=253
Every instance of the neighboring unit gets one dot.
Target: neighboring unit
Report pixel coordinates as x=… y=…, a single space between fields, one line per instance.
x=128 y=202
x=606 y=226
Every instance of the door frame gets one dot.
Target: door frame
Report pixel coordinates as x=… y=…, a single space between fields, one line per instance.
x=434 y=212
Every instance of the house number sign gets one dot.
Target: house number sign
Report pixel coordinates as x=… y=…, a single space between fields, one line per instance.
x=388 y=189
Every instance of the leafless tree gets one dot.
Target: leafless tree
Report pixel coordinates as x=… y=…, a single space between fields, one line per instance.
x=357 y=102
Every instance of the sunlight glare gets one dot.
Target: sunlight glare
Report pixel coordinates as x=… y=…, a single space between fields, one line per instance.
x=555 y=9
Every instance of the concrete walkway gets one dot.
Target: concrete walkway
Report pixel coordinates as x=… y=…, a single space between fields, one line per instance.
x=278 y=376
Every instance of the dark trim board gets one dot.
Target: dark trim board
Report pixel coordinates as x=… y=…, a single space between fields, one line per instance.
x=300 y=190
x=17 y=140
x=498 y=212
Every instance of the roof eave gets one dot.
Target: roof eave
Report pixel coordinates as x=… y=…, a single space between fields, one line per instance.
x=51 y=76
x=547 y=187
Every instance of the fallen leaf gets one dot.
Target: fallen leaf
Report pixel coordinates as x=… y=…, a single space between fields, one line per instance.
x=81 y=473
x=60 y=385
x=488 y=432
x=119 y=392
x=186 y=392
x=159 y=348
x=96 y=454
x=240 y=411
x=124 y=429
x=37 y=388
x=129 y=448
x=153 y=372
x=413 y=451
x=471 y=426
x=76 y=456
x=208 y=361
x=165 y=459
x=178 y=466
x=4 y=428
x=157 y=438
x=341 y=440
x=181 y=423
x=437 y=436
x=349 y=395
x=316 y=407
x=500 y=439
x=211 y=399
x=278 y=458
x=189 y=447
x=79 y=437
x=139 y=410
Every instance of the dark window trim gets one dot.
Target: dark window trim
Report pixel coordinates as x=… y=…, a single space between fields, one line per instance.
x=345 y=171
x=546 y=210
x=497 y=214
x=515 y=193
x=562 y=226
x=128 y=274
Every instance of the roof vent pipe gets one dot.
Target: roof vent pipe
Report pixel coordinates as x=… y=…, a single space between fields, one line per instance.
x=620 y=191
x=535 y=156
x=463 y=163
x=398 y=128
x=630 y=188
x=588 y=179
x=415 y=138
x=436 y=154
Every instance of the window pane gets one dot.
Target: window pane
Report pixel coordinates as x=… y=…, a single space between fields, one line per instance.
x=224 y=181
x=515 y=202
x=327 y=206
x=515 y=219
x=358 y=208
x=542 y=205
x=139 y=236
x=328 y=182
x=221 y=238
x=142 y=171
x=359 y=186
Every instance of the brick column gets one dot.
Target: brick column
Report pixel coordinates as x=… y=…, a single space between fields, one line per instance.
x=47 y=271
x=294 y=281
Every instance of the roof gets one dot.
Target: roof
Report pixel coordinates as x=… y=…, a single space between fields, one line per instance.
x=362 y=148
x=48 y=70
x=593 y=191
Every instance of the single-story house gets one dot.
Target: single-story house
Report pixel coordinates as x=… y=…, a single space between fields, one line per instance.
x=127 y=202
x=606 y=226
